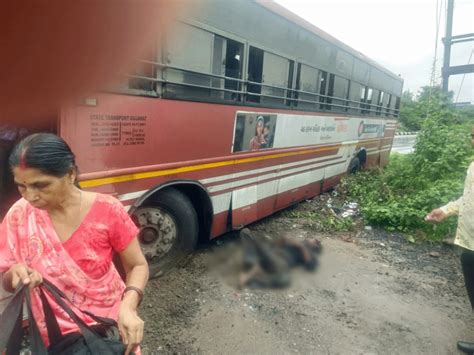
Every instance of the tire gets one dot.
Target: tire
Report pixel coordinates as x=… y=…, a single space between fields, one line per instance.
x=354 y=166
x=169 y=230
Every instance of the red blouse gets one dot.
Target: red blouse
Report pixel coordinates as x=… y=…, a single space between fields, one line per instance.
x=106 y=228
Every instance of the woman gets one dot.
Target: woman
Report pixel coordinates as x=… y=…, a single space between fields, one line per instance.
x=259 y=140
x=69 y=236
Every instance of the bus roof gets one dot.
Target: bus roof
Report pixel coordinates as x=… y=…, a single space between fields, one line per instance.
x=278 y=9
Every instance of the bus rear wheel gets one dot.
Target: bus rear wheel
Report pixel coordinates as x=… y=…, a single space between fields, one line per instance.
x=169 y=230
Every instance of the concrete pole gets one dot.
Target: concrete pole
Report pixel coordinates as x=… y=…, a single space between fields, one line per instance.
x=447 y=45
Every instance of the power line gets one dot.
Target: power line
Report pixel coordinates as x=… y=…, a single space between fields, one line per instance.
x=439 y=5
x=463 y=76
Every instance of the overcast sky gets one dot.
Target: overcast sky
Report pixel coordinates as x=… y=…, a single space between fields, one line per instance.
x=399 y=34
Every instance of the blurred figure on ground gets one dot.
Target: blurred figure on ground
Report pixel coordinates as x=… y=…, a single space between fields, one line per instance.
x=268 y=263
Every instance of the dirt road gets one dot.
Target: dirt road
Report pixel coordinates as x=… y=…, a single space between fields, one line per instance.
x=374 y=293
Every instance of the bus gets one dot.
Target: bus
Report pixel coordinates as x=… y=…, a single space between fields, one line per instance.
x=241 y=110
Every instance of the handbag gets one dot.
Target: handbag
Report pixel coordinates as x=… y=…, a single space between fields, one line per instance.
x=91 y=339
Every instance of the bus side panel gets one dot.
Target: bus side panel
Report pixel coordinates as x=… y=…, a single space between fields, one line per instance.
x=127 y=145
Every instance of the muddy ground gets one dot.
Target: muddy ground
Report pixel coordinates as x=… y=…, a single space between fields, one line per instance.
x=374 y=293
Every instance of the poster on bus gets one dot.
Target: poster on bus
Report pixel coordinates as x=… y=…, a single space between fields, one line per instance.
x=255 y=131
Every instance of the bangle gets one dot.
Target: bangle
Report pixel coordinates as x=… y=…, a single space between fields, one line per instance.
x=137 y=290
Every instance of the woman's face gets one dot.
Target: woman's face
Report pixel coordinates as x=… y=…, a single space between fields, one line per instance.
x=41 y=190
x=260 y=128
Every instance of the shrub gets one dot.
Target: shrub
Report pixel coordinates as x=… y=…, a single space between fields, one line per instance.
x=399 y=196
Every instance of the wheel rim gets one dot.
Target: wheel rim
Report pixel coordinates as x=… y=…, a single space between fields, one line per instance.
x=158 y=231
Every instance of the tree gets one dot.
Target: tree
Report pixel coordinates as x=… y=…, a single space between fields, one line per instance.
x=408 y=119
x=430 y=100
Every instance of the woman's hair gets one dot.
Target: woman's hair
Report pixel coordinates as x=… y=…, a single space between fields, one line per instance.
x=259 y=118
x=46 y=152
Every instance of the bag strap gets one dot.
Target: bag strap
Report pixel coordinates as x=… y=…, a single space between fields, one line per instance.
x=102 y=320
x=10 y=316
x=11 y=320
x=16 y=337
x=92 y=339
x=54 y=332
x=37 y=345
x=108 y=322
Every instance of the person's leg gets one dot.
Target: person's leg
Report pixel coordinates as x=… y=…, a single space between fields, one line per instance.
x=467 y=262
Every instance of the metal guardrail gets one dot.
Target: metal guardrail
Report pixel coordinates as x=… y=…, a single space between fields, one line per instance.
x=290 y=94
x=406 y=133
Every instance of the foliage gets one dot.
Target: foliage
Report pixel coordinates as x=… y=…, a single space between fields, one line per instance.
x=399 y=196
x=408 y=119
x=415 y=110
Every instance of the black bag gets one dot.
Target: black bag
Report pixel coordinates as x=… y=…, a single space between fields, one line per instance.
x=90 y=340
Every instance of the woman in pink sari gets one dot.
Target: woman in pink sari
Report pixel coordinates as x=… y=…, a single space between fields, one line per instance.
x=259 y=139
x=59 y=232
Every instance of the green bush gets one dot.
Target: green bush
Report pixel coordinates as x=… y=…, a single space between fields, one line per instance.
x=399 y=196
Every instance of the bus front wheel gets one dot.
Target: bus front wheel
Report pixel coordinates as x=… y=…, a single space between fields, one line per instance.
x=354 y=166
x=169 y=229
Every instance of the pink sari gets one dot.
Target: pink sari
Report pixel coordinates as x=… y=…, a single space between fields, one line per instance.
x=81 y=267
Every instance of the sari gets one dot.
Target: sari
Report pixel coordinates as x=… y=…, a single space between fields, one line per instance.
x=81 y=266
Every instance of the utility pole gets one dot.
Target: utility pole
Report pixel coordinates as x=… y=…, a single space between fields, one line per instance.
x=448 y=41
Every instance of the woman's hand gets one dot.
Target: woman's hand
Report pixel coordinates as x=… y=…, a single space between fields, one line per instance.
x=437 y=215
x=130 y=327
x=23 y=273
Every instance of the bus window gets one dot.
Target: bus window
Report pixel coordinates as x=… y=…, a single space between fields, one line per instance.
x=340 y=93
x=363 y=98
x=374 y=101
x=380 y=103
x=202 y=64
x=143 y=73
x=189 y=59
x=322 y=89
x=226 y=62
x=275 y=77
x=368 y=100
x=307 y=83
x=289 y=85
x=348 y=97
x=218 y=67
x=354 y=97
x=233 y=69
x=330 y=91
x=389 y=102
x=254 y=74
x=397 y=106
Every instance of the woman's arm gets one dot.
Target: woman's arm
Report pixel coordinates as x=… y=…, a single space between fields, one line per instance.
x=20 y=272
x=136 y=269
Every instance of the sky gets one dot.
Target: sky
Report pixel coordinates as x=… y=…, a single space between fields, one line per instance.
x=398 y=34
